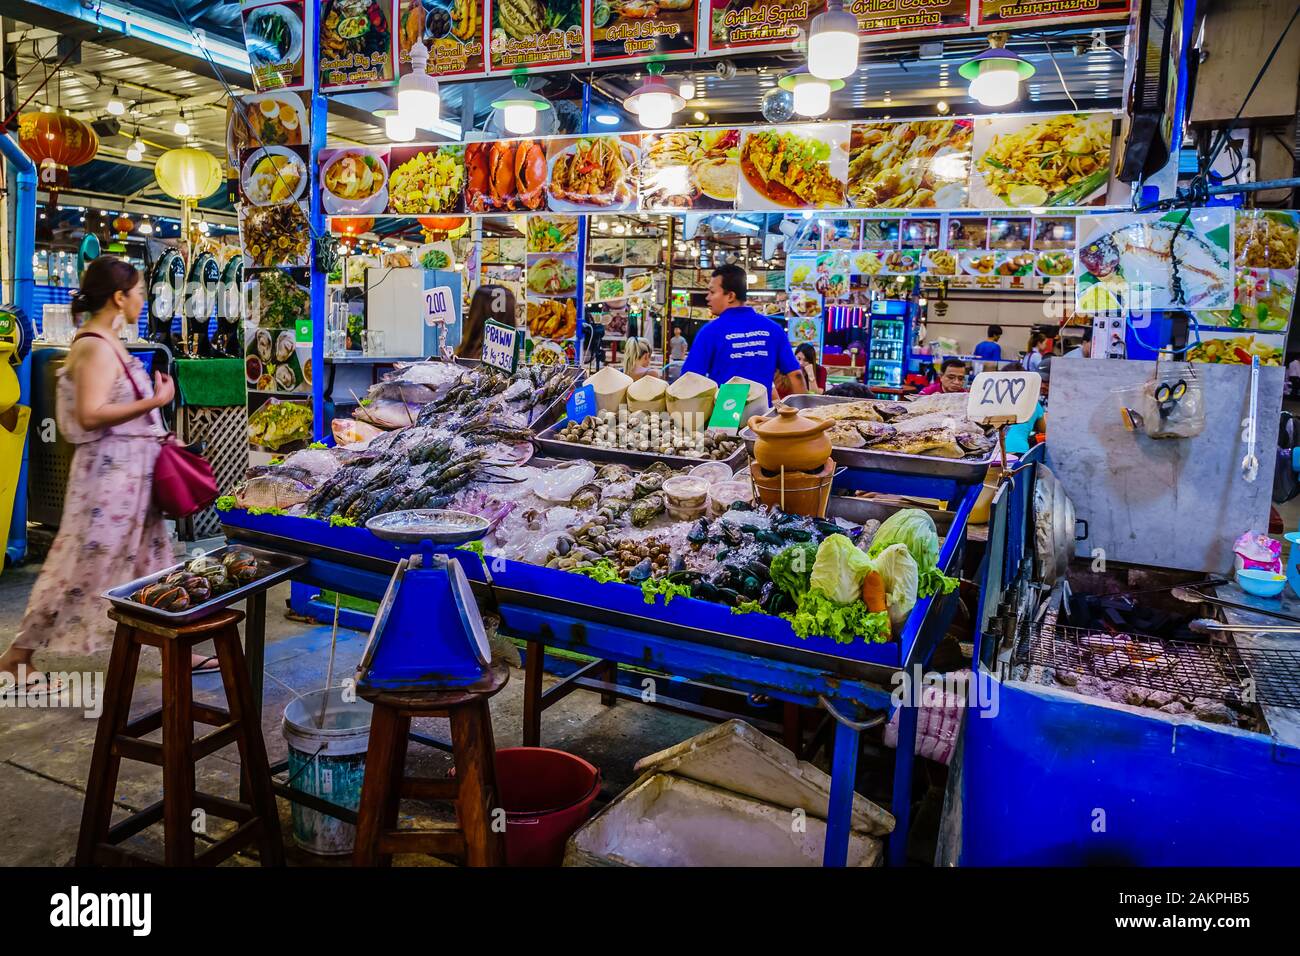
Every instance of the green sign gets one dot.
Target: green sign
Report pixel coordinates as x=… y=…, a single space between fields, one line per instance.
x=302 y=330
x=729 y=406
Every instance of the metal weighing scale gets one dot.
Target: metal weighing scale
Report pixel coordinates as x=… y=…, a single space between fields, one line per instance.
x=428 y=633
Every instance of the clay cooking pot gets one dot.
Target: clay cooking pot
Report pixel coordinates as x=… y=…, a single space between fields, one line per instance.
x=790 y=441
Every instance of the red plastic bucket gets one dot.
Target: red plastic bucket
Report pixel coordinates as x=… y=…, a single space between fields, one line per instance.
x=547 y=794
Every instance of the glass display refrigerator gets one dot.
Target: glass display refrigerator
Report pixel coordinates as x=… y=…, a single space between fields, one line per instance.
x=887 y=345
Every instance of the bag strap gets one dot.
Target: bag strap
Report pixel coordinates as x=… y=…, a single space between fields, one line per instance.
x=153 y=413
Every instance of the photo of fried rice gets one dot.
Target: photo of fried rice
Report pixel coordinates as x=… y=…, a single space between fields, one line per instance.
x=1266 y=240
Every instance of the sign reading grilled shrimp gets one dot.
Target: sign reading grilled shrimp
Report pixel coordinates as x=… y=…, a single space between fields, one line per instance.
x=639 y=29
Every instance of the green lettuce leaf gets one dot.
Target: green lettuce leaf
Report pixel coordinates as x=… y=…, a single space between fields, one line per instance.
x=817 y=615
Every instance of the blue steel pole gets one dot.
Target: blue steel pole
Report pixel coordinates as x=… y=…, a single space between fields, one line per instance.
x=24 y=247
x=319 y=127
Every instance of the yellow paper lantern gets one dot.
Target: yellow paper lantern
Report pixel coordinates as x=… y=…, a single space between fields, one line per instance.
x=188 y=174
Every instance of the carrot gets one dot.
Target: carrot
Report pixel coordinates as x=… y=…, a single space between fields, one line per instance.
x=873 y=592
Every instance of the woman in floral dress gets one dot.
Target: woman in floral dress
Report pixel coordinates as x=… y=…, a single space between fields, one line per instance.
x=111 y=531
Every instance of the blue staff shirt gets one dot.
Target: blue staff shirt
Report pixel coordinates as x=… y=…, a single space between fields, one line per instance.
x=989 y=350
x=741 y=342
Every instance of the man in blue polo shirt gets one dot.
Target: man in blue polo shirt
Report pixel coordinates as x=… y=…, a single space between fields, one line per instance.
x=740 y=341
x=989 y=349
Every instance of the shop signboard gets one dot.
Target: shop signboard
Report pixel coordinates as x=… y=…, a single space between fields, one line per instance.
x=1004 y=13
x=455 y=35
x=356 y=44
x=531 y=34
x=278 y=35
x=740 y=24
x=899 y=16
x=631 y=30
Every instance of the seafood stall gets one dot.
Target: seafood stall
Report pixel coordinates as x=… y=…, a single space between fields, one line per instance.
x=661 y=561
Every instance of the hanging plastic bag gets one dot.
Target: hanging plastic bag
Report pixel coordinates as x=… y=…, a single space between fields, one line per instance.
x=1172 y=404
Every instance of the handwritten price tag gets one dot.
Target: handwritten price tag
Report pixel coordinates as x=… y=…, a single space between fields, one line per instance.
x=1003 y=398
x=500 y=345
x=438 y=306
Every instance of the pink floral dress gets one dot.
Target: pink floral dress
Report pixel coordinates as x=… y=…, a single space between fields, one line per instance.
x=111 y=531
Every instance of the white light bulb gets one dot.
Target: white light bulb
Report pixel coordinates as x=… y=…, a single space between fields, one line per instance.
x=419 y=105
x=995 y=86
x=146 y=229
x=398 y=129
x=181 y=128
x=519 y=119
x=687 y=89
x=655 y=110
x=115 y=106
x=134 y=154
x=833 y=45
x=812 y=98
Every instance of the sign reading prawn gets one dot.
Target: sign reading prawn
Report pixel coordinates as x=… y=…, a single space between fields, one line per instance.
x=356 y=43
x=453 y=34
x=635 y=29
x=530 y=33
x=747 y=23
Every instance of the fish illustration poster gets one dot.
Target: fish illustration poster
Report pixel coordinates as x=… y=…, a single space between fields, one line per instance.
x=1176 y=260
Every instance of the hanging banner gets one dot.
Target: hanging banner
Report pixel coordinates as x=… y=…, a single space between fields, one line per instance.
x=1003 y=13
x=455 y=36
x=896 y=16
x=529 y=33
x=279 y=41
x=639 y=29
x=735 y=24
x=356 y=44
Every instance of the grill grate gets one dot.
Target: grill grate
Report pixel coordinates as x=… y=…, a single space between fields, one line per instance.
x=1241 y=677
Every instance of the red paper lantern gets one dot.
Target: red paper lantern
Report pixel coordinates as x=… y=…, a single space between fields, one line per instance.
x=351 y=225
x=441 y=223
x=56 y=143
x=122 y=225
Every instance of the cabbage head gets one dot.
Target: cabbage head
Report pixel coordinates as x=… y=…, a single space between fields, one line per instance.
x=901 y=578
x=839 y=569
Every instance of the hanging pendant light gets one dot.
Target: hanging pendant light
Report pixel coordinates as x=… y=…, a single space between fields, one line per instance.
x=115 y=105
x=418 y=100
x=686 y=88
x=833 y=43
x=654 y=102
x=396 y=127
x=812 y=94
x=182 y=128
x=135 y=152
x=996 y=73
x=519 y=107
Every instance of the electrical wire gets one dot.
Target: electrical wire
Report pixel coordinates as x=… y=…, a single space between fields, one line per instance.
x=1060 y=76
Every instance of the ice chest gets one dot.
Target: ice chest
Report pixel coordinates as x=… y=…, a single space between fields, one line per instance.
x=725 y=797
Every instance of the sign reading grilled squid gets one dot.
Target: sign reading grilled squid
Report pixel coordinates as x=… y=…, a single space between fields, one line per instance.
x=530 y=33
x=893 y=16
x=1003 y=12
x=453 y=34
x=748 y=23
x=636 y=29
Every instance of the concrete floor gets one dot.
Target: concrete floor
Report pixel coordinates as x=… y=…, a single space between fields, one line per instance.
x=45 y=754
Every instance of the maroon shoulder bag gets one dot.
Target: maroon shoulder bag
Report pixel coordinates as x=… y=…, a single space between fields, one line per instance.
x=183 y=483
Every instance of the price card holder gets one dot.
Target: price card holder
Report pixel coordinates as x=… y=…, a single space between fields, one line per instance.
x=439 y=306
x=581 y=403
x=729 y=406
x=501 y=345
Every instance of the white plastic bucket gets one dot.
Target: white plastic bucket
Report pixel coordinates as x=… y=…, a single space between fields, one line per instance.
x=327 y=762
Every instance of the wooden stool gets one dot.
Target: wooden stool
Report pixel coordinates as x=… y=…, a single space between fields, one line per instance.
x=473 y=789
x=118 y=736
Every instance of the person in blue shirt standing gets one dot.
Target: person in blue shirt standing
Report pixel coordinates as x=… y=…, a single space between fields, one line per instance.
x=739 y=340
x=989 y=350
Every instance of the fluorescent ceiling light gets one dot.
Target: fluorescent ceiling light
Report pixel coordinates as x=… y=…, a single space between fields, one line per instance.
x=608 y=119
x=161 y=32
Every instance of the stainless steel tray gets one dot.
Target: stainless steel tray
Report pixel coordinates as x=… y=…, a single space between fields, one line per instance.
x=280 y=566
x=961 y=469
x=548 y=444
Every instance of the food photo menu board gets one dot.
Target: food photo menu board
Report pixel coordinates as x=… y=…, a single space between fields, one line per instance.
x=454 y=35
x=637 y=29
x=278 y=36
x=531 y=33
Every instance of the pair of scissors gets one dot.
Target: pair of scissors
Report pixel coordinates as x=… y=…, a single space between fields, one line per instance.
x=1167 y=395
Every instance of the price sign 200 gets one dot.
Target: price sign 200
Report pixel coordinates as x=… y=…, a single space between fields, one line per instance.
x=438 y=307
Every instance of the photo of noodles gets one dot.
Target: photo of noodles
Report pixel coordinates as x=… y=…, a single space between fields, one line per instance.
x=1024 y=162
x=923 y=164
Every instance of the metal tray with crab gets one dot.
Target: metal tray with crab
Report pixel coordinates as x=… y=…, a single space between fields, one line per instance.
x=548 y=444
x=273 y=567
x=961 y=469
